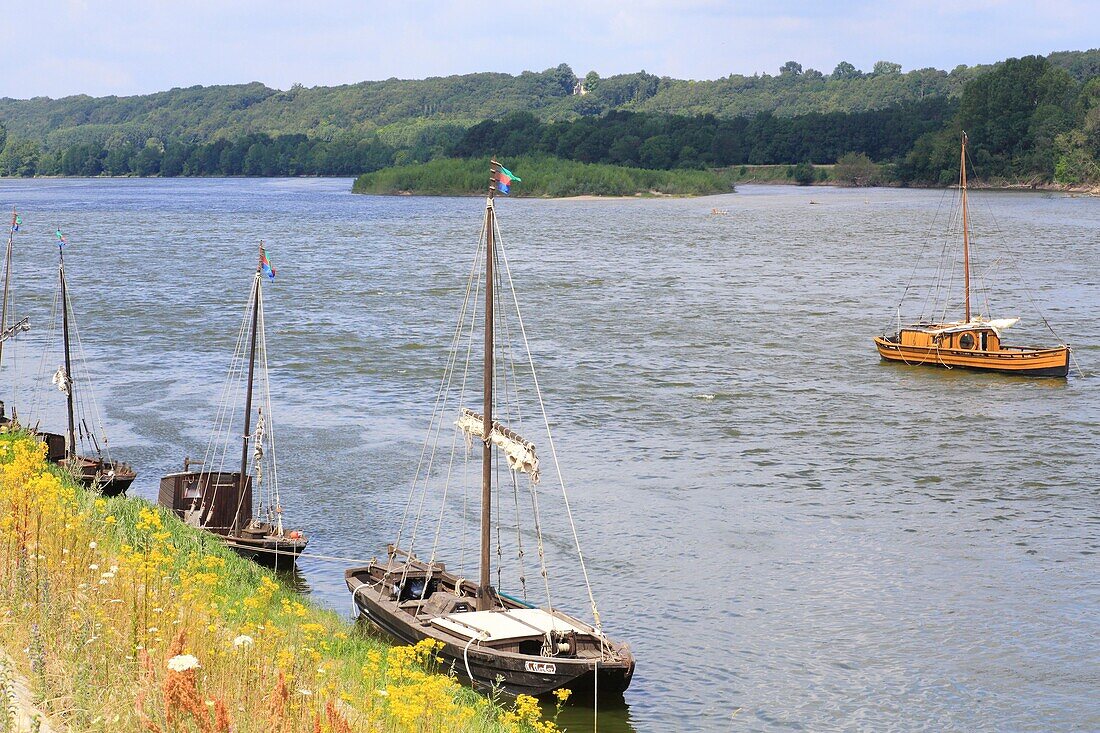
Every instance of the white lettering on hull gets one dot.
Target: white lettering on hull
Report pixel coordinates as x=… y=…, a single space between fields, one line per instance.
x=540 y=667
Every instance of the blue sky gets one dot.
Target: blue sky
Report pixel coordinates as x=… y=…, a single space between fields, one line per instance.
x=98 y=47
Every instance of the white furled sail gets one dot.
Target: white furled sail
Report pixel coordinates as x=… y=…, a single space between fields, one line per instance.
x=519 y=452
x=997 y=324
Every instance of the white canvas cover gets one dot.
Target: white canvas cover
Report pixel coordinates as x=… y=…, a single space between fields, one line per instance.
x=515 y=623
x=997 y=324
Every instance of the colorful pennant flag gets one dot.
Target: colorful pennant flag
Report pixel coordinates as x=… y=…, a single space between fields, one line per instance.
x=504 y=179
x=16 y=222
x=62 y=240
x=265 y=264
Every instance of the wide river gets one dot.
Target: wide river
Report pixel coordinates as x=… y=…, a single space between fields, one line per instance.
x=789 y=533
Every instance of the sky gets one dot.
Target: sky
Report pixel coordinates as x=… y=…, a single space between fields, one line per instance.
x=100 y=47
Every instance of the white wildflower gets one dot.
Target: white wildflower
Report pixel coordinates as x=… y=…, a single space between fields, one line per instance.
x=243 y=640
x=153 y=629
x=114 y=568
x=384 y=693
x=92 y=544
x=93 y=566
x=303 y=691
x=183 y=662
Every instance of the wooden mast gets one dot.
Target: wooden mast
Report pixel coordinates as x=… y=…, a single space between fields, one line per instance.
x=70 y=444
x=966 y=233
x=484 y=590
x=248 y=394
x=7 y=284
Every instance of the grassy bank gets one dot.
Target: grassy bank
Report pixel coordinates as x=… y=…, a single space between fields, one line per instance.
x=121 y=618
x=542 y=176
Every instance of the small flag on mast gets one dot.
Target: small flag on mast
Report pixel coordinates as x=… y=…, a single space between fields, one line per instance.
x=16 y=222
x=504 y=178
x=265 y=264
x=62 y=240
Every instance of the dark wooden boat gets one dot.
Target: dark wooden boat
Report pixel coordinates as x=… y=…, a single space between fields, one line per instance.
x=512 y=646
x=80 y=450
x=221 y=501
x=493 y=640
x=975 y=342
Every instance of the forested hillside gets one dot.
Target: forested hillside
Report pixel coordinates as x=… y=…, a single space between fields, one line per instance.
x=200 y=114
x=1034 y=118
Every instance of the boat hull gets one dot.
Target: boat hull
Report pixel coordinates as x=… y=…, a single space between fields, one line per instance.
x=267 y=550
x=1024 y=362
x=487 y=670
x=109 y=478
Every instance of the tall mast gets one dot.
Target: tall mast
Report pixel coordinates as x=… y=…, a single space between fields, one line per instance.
x=70 y=445
x=7 y=283
x=484 y=596
x=966 y=233
x=248 y=394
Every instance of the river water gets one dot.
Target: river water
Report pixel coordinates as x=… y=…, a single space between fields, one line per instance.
x=790 y=534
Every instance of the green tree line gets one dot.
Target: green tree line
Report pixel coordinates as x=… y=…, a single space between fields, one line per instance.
x=250 y=155
x=1030 y=119
x=649 y=140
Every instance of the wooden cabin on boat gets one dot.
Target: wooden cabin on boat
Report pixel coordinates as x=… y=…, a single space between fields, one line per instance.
x=210 y=500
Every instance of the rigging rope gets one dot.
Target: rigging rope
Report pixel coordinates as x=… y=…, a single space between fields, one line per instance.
x=550 y=442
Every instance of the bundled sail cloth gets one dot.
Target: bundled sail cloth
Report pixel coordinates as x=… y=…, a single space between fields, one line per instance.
x=519 y=452
x=997 y=324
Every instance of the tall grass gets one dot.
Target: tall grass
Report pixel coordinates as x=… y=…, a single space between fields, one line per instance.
x=542 y=176
x=122 y=618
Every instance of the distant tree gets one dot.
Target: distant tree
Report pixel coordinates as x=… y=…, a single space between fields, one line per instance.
x=1010 y=112
x=591 y=81
x=845 y=70
x=147 y=162
x=19 y=158
x=813 y=74
x=883 y=68
x=624 y=151
x=117 y=162
x=564 y=76
x=804 y=173
x=855 y=169
x=656 y=152
x=791 y=68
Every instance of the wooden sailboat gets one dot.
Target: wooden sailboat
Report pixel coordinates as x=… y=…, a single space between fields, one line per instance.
x=98 y=472
x=975 y=342
x=493 y=640
x=221 y=501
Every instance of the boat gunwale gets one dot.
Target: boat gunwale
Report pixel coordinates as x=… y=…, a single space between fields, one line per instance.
x=1005 y=352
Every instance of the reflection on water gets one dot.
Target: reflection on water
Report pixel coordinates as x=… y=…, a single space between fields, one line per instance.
x=292 y=578
x=778 y=523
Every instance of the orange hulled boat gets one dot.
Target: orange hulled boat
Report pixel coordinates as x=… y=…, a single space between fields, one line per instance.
x=975 y=342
